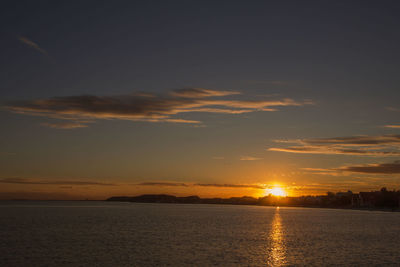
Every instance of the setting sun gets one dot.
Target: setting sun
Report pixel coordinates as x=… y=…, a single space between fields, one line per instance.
x=277 y=191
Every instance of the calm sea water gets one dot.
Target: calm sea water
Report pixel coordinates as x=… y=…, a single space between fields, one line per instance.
x=131 y=234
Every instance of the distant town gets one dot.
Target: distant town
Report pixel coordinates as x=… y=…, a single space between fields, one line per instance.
x=374 y=200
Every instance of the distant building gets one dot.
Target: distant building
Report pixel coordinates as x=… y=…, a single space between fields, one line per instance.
x=344 y=194
x=355 y=200
x=367 y=199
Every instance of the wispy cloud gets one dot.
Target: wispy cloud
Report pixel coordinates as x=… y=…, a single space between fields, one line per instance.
x=376 y=168
x=336 y=151
x=396 y=126
x=65 y=125
x=380 y=168
x=50 y=182
x=32 y=44
x=162 y=184
x=144 y=107
x=360 y=140
x=249 y=158
x=234 y=185
x=255 y=186
x=322 y=171
x=377 y=146
x=38 y=181
x=200 y=93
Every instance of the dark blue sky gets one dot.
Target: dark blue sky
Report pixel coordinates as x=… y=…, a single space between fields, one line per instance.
x=106 y=47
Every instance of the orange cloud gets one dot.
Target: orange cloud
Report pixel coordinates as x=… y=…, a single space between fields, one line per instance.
x=377 y=146
x=249 y=158
x=66 y=125
x=393 y=126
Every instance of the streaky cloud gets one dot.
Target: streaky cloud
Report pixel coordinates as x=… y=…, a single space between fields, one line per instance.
x=233 y=185
x=32 y=44
x=200 y=93
x=395 y=126
x=376 y=146
x=144 y=107
x=162 y=184
x=50 y=182
x=249 y=158
x=335 y=151
x=356 y=140
x=380 y=168
x=66 y=125
x=255 y=186
x=375 y=169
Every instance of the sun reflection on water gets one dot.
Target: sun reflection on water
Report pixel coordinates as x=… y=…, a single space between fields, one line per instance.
x=277 y=249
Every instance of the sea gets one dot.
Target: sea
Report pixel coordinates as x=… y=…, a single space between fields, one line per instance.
x=97 y=233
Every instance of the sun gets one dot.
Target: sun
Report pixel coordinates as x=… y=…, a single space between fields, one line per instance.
x=277 y=191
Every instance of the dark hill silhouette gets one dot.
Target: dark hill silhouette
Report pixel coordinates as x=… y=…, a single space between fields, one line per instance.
x=382 y=199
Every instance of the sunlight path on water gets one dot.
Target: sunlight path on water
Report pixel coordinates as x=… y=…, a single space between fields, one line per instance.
x=276 y=255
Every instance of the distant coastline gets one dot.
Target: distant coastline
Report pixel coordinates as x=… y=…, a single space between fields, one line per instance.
x=382 y=200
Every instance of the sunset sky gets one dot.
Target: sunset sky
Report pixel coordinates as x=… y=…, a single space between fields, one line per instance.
x=213 y=98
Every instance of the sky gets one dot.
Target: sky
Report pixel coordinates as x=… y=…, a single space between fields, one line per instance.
x=208 y=98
